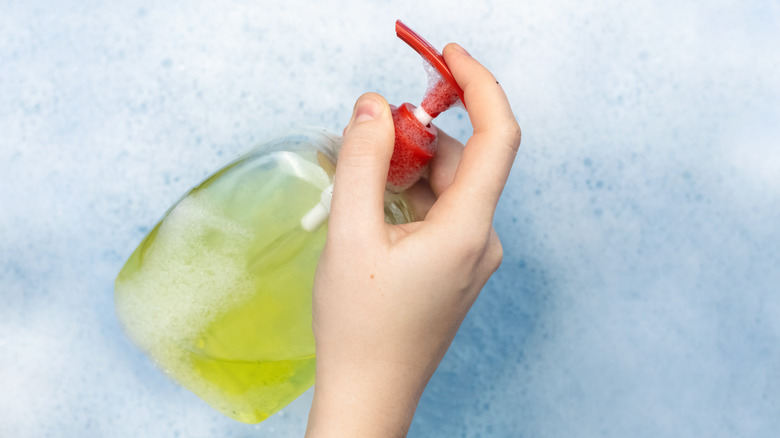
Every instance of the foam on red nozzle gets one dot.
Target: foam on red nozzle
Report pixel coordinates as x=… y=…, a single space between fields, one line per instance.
x=415 y=141
x=429 y=53
x=415 y=145
x=439 y=98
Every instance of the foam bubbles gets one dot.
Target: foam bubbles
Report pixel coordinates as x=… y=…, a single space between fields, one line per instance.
x=194 y=272
x=415 y=145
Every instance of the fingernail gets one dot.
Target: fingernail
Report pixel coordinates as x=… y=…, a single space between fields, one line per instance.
x=367 y=109
x=460 y=49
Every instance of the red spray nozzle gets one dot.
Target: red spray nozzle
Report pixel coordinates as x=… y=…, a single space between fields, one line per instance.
x=447 y=85
x=415 y=138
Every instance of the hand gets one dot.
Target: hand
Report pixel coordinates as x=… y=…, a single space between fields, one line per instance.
x=388 y=299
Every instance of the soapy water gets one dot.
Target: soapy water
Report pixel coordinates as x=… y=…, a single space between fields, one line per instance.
x=219 y=292
x=197 y=298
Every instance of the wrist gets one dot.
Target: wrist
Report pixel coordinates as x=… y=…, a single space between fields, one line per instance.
x=370 y=398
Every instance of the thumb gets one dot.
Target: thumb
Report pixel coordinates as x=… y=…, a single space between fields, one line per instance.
x=361 y=171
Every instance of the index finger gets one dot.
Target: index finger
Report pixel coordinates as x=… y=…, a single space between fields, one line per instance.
x=490 y=152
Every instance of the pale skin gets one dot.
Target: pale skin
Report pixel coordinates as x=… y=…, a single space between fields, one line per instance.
x=388 y=299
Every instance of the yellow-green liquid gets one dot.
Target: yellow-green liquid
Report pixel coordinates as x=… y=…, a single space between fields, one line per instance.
x=219 y=292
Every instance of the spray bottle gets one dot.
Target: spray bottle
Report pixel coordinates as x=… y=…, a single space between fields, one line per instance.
x=218 y=293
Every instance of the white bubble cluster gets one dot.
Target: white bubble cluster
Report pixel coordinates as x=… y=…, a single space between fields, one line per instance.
x=188 y=272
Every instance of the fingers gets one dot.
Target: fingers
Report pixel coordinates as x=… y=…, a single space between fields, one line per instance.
x=443 y=168
x=445 y=163
x=421 y=198
x=361 y=172
x=489 y=153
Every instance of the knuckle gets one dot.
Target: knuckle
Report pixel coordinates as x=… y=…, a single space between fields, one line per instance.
x=494 y=255
x=474 y=244
x=513 y=135
x=469 y=249
x=506 y=133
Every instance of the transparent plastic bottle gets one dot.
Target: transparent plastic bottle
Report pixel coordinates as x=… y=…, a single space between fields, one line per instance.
x=219 y=292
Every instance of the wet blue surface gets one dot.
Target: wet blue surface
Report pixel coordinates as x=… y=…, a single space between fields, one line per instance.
x=639 y=293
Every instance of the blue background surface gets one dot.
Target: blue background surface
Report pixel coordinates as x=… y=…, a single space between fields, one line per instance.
x=640 y=292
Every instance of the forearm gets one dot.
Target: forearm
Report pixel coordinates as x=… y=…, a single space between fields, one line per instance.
x=376 y=399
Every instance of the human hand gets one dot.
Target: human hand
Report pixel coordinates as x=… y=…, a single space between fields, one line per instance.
x=388 y=299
